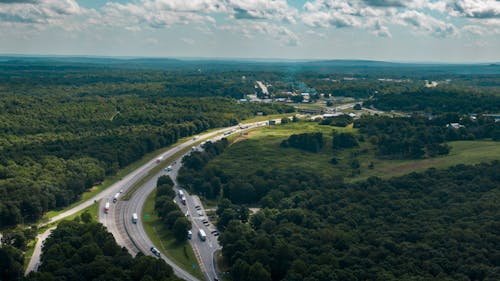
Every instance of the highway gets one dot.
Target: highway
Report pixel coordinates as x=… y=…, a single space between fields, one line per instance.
x=107 y=195
x=133 y=236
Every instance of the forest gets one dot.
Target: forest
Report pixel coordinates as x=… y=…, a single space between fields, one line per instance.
x=416 y=137
x=436 y=225
x=59 y=139
x=192 y=165
x=438 y=101
x=169 y=213
x=84 y=250
x=67 y=124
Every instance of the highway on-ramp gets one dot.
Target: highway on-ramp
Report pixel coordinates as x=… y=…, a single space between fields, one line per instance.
x=123 y=185
x=133 y=236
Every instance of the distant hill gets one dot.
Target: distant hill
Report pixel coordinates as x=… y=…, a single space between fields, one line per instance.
x=327 y=66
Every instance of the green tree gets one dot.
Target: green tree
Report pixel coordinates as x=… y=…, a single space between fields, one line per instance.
x=180 y=229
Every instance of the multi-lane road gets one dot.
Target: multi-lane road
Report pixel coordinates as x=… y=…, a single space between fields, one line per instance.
x=133 y=236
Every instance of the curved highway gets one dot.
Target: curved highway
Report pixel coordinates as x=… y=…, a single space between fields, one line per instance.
x=133 y=236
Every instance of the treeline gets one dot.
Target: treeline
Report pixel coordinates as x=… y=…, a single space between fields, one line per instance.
x=436 y=100
x=54 y=147
x=170 y=214
x=312 y=142
x=86 y=251
x=337 y=121
x=417 y=137
x=436 y=225
x=191 y=174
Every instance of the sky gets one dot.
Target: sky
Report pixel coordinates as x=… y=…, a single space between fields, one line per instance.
x=390 y=30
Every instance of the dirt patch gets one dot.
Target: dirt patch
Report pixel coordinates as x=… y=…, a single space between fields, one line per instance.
x=416 y=166
x=243 y=137
x=93 y=188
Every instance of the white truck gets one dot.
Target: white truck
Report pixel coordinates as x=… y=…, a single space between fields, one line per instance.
x=115 y=199
x=134 y=218
x=202 y=234
x=106 y=208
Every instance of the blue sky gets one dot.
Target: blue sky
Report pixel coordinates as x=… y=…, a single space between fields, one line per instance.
x=393 y=30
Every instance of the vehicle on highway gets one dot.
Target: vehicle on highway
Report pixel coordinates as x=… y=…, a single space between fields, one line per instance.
x=106 y=208
x=200 y=213
x=121 y=190
x=168 y=169
x=190 y=234
x=197 y=207
x=193 y=148
x=181 y=193
x=155 y=252
x=196 y=138
x=202 y=235
x=115 y=199
x=183 y=200
x=159 y=159
x=134 y=218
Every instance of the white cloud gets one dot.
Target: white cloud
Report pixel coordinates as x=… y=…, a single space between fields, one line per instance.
x=38 y=12
x=277 y=32
x=263 y=9
x=427 y=24
x=152 y=13
x=475 y=8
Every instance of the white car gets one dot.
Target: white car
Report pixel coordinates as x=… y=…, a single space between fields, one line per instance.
x=155 y=252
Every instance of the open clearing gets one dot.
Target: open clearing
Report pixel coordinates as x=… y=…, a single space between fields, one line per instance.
x=260 y=149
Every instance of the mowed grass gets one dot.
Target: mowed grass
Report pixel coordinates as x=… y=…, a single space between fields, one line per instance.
x=180 y=253
x=260 y=149
x=462 y=152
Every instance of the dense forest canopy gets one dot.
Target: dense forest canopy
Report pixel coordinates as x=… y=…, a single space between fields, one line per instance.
x=437 y=225
x=67 y=123
x=437 y=101
x=86 y=251
x=63 y=132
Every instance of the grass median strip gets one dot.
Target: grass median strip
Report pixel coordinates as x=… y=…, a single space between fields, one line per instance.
x=180 y=253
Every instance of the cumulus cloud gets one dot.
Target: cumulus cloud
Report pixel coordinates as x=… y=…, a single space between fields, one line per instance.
x=385 y=3
x=38 y=12
x=156 y=13
x=262 y=9
x=427 y=24
x=355 y=14
x=475 y=8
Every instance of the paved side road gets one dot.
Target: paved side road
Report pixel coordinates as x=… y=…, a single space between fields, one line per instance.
x=35 y=262
x=122 y=185
x=116 y=224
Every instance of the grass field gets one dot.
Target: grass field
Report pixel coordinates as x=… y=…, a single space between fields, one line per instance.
x=462 y=152
x=260 y=149
x=181 y=253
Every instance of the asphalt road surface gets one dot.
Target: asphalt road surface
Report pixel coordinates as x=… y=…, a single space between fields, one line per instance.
x=133 y=236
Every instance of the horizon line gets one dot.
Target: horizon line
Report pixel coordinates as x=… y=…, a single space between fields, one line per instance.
x=203 y=58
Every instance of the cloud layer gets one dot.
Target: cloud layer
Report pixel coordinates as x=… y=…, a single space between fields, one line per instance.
x=277 y=19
